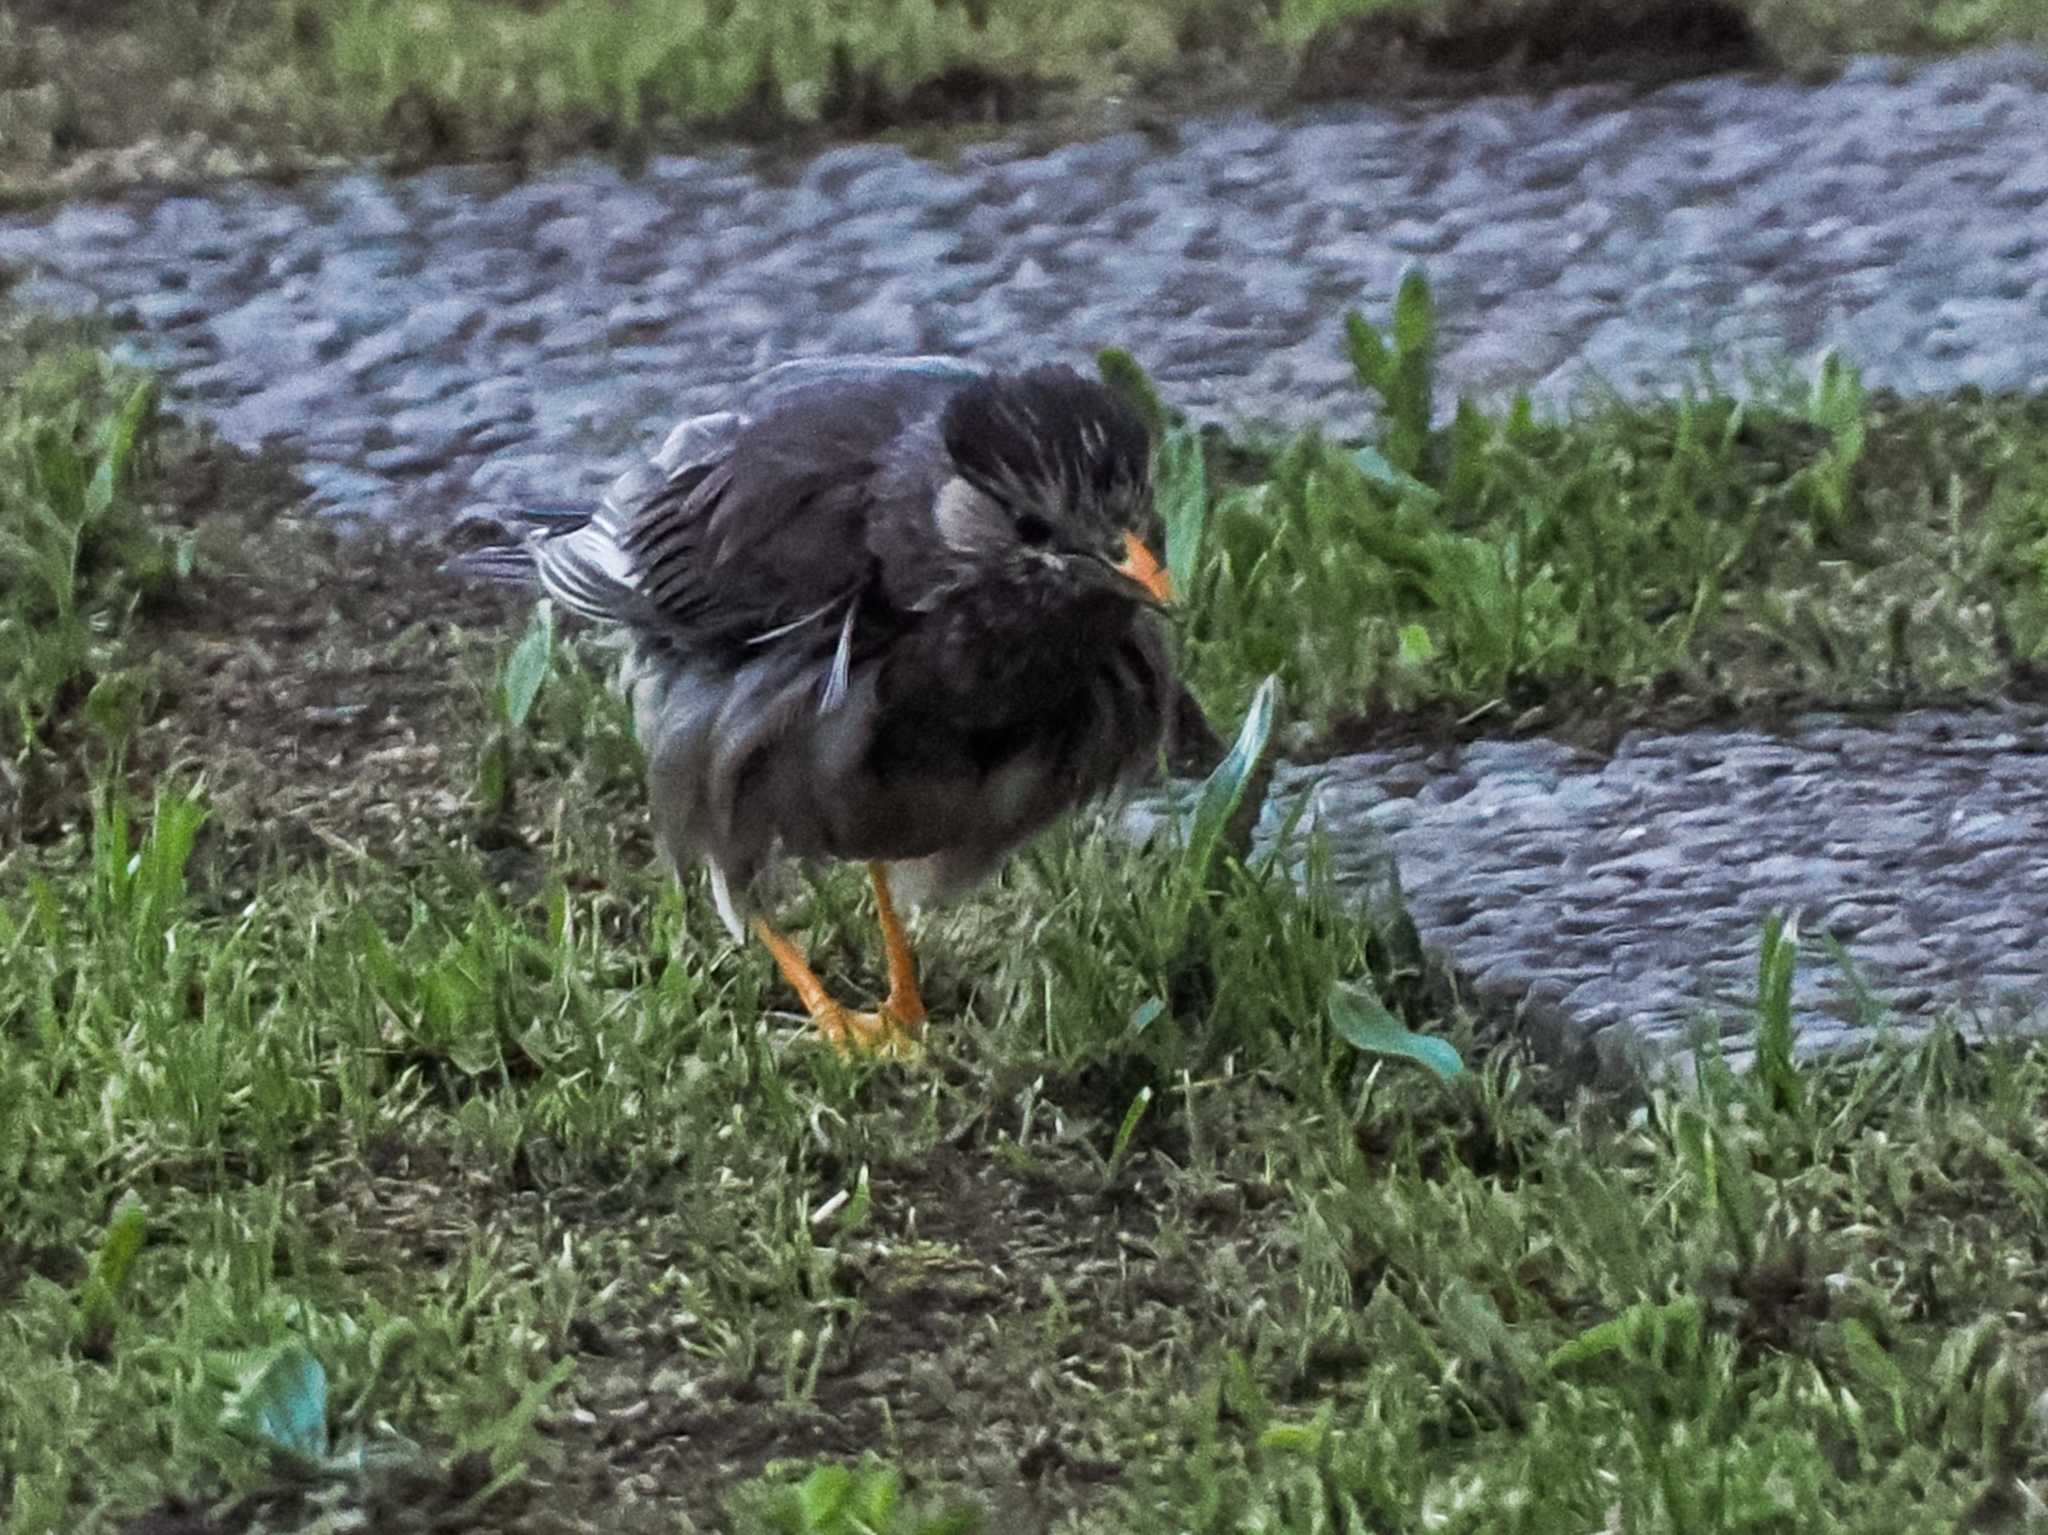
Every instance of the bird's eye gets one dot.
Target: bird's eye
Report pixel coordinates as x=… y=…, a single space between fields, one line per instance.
x=1033 y=529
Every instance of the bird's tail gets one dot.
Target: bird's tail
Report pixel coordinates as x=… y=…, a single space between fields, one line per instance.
x=507 y=564
x=573 y=556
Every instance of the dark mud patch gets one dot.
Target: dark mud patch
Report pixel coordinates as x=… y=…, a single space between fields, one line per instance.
x=1505 y=45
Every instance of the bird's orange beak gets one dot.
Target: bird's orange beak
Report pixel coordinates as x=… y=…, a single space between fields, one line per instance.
x=1142 y=567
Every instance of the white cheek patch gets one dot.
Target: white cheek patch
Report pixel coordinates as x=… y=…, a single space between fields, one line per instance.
x=968 y=521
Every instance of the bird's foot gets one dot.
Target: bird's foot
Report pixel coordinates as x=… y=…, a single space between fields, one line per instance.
x=890 y=1031
x=896 y=1028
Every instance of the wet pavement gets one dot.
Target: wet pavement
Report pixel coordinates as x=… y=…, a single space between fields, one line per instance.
x=1617 y=902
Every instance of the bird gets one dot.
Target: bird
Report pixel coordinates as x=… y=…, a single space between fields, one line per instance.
x=901 y=611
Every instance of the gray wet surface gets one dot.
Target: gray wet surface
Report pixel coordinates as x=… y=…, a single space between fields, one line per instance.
x=1619 y=901
x=447 y=347
x=459 y=342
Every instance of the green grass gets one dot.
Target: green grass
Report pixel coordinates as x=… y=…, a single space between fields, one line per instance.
x=517 y=1168
x=1809 y=542
x=77 y=556
x=391 y=1136
x=193 y=87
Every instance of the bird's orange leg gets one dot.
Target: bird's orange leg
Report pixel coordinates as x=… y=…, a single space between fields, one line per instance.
x=904 y=1004
x=892 y=1029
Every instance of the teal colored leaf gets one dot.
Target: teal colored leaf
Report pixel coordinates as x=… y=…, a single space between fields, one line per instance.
x=527 y=668
x=1362 y=1020
x=1145 y=1014
x=284 y=1401
x=1223 y=790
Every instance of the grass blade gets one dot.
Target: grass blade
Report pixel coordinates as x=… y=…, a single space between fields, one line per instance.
x=99 y=1298
x=1183 y=500
x=527 y=668
x=1132 y=1116
x=1223 y=790
x=1370 y=359
x=117 y=447
x=1777 y=964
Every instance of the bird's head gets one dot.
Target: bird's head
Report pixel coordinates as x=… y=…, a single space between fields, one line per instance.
x=1051 y=483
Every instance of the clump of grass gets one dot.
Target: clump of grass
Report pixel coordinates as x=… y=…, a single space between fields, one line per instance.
x=444 y=1146
x=1782 y=544
x=1197 y=950
x=838 y=1500
x=1751 y=1375
x=285 y=83
x=78 y=550
x=519 y=685
x=630 y=63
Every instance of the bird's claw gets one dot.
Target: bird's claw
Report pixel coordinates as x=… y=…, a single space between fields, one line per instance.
x=895 y=1029
x=886 y=1032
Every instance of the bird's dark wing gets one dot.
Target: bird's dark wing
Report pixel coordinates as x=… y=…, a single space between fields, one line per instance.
x=736 y=527
x=776 y=532
x=755 y=522
x=790 y=381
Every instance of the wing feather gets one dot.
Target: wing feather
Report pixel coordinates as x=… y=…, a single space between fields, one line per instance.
x=749 y=523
